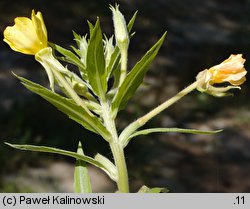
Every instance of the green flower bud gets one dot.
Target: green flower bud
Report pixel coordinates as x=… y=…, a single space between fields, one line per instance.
x=121 y=31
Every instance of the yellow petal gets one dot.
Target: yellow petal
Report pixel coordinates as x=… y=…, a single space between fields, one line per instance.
x=237 y=79
x=27 y=36
x=18 y=41
x=231 y=70
x=39 y=26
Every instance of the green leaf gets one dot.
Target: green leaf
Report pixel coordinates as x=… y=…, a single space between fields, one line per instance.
x=61 y=152
x=145 y=189
x=77 y=51
x=69 y=56
x=91 y=27
x=135 y=77
x=82 y=182
x=108 y=164
x=131 y=22
x=77 y=38
x=161 y=130
x=114 y=63
x=96 y=62
x=75 y=112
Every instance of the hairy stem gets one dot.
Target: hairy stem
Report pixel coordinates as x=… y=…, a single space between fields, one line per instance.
x=144 y=119
x=124 y=60
x=118 y=154
x=116 y=148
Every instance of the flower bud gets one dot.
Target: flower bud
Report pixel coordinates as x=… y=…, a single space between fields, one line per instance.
x=121 y=31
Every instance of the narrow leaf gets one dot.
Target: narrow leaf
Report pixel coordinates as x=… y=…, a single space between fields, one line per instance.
x=96 y=62
x=131 y=22
x=135 y=77
x=82 y=182
x=77 y=51
x=114 y=63
x=69 y=56
x=77 y=38
x=161 y=130
x=91 y=27
x=75 y=112
x=108 y=164
x=61 y=152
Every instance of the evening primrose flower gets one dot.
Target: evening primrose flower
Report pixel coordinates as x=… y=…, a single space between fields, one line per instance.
x=27 y=36
x=231 y=70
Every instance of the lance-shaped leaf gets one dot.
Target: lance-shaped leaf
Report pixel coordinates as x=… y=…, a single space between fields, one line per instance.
x=135 y=77
x=69 y=56
x=169 y=130
x=114 y=64
x=82 y=182
x=108 y=164
x=77 y=38
x=131 y=22
x=75 y=155
x=74 y=111
x=91 y=27
x=96 y=62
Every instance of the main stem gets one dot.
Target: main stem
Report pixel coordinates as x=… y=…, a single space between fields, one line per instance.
x=118 y=154
x=117 y=149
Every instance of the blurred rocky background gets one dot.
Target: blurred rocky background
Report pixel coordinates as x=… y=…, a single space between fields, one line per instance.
x=200 y=35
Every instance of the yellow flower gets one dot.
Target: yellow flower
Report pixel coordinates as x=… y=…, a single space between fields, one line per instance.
x=27 y=36
x=231 y=70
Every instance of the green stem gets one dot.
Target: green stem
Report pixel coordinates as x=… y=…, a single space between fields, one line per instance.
x=166 y=104
x=116 y=148
x=118 y=154
x=144 y=119
x=124 y=60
